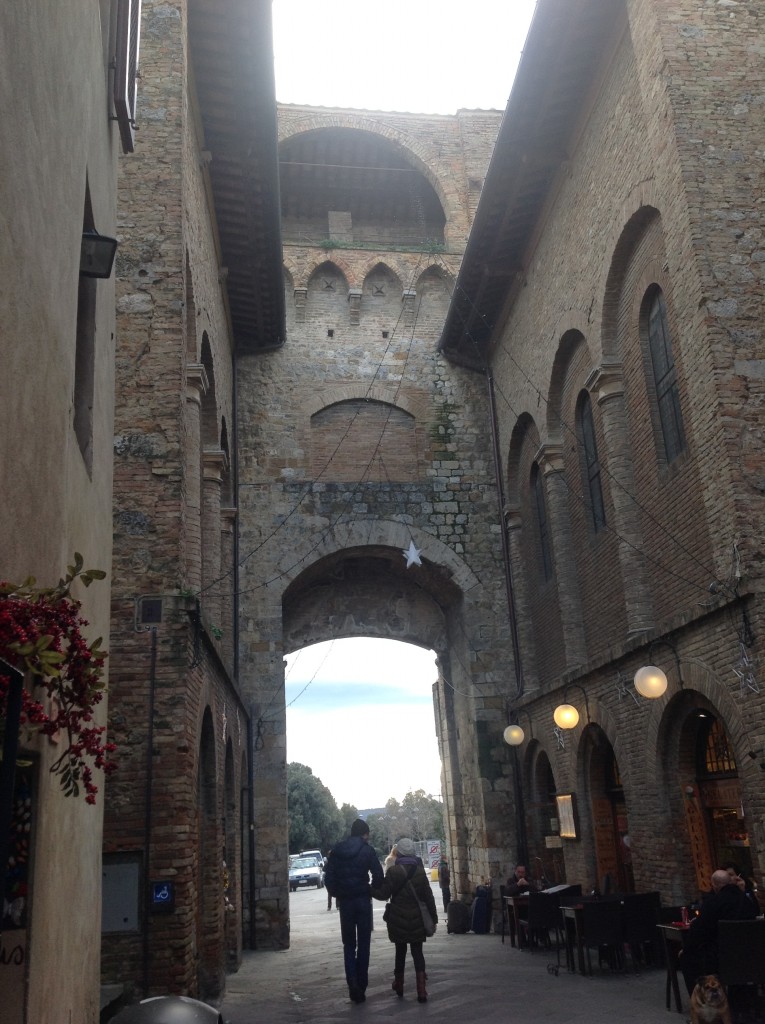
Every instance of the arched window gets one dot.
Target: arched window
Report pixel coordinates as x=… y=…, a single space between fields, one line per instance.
x=664 y=373
x=540 y=514
x=588 y=453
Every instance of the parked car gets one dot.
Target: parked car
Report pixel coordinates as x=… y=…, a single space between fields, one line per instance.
x=313 y=853
x=306 y=871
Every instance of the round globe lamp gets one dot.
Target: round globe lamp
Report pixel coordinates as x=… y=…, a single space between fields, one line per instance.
x=650 y=682
x=514 y=735
x=566 y=716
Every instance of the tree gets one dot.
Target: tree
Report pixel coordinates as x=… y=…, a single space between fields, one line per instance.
x=349 y=813
x=315 y=821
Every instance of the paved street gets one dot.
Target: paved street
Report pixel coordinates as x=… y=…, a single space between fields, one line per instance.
x=471 y=978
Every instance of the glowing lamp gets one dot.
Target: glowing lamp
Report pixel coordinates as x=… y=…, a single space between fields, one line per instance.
x=514 y=735
x=566 y=716
x=650 y=682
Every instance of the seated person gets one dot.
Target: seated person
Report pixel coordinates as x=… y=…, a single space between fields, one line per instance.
x=726 y=902
x=517 y=883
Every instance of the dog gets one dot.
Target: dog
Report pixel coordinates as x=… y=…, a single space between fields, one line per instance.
x=709 y=1003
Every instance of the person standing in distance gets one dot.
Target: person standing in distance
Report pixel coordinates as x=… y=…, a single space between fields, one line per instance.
x=444 y=881
x=349 y=868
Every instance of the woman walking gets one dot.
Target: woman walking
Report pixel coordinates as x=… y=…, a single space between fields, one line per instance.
x=405 y=882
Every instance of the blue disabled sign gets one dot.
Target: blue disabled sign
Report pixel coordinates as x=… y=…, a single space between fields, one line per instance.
x=162 y=896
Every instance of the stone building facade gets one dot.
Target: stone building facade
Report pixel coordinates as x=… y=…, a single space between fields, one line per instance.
x=178 y=837
x=58 y=168
x=357 y=439
x=626 y=199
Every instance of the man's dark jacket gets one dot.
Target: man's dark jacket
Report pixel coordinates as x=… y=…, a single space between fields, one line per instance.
x=700 y=941
x=349 y=866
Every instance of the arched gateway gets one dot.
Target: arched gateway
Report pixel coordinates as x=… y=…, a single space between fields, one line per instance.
x=357 y=439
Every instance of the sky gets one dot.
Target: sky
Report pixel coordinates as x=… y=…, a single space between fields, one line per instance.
x=422 y=56
x=365 y=724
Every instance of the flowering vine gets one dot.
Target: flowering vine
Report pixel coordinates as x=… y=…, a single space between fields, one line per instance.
x=41 y=635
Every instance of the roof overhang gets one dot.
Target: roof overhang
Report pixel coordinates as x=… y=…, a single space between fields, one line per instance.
x=568 y=43
x=231 y=44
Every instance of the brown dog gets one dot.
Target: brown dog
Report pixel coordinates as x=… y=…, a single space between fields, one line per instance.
x=709 y=1003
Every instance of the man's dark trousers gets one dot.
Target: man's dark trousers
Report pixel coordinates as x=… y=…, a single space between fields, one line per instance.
x=356 y=933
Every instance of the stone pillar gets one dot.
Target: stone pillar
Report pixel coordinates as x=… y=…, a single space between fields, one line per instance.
x=607 y=383
x=301 y=295
x=513 y=524
x=228 y=527
x=196 y=387
x=550 y=460
x=213 y=467
x=407 y=299
x=354 y=304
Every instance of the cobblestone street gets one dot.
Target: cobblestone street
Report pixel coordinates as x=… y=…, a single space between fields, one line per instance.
x=471 y=978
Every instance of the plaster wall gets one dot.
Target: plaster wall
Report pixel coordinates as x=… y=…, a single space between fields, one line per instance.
x=56 y=139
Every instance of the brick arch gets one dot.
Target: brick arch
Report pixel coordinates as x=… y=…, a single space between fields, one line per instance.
x=632 y=231
x=421 y=156
x=335 y=261
x=378 y=533
x=371 y=265
x=437 y=269
x=291 y=272
x=389 y=394
x=568 y=346
x=524 y=424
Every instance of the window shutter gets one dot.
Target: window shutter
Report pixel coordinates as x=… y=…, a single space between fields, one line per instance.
x=126 y=70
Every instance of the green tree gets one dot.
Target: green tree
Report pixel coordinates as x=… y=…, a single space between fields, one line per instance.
x=349 y=813
x=316 y=823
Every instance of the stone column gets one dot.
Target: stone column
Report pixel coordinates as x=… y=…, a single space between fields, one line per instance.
x=228 y=526
x=213 y=467
x=196 y=387
x=354 y=305
x=301 y=295
x=513 y=524
x=550 y=460
x=607 y=383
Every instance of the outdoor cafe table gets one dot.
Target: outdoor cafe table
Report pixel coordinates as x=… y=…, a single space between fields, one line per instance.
x=673 y=936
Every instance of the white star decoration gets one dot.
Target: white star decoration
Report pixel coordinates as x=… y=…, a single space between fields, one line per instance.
x=745 y=672
x=412 y=555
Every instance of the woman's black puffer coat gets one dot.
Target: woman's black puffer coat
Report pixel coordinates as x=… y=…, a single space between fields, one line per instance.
x=404 y=917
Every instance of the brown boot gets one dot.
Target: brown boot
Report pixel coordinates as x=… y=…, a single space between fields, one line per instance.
x=398 y=984
x=422 y=995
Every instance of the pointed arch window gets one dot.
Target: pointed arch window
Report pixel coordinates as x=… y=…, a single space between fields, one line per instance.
x=664 y=374
x=588 y=452
x=540 y=516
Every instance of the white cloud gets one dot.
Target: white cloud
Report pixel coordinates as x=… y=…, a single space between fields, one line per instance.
x=365 y=724
x=415 y=55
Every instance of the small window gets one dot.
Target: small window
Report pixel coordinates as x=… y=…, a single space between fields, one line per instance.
x=540 y=515
x=664 y=374
x=126 y=70
x=588 y=451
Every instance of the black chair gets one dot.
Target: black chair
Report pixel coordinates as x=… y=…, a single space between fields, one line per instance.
x=603 y=929
x=741 y=957
x=543 y=917
x=641 y=915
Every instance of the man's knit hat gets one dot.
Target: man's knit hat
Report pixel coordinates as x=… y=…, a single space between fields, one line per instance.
x=359 y=828
x=405 y=848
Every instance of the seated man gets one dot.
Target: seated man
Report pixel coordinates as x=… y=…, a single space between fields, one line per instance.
x=517 y=883
x=726 y=903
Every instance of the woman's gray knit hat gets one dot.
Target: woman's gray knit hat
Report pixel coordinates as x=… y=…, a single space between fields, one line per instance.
x=405 y=848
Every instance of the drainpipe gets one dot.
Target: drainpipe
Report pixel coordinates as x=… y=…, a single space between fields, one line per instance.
x=147 y=813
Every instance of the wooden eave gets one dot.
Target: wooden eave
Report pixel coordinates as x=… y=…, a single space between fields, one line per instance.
x=568 y=42
x=232 y=58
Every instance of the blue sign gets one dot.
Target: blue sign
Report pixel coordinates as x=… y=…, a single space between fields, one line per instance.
x=162 y=896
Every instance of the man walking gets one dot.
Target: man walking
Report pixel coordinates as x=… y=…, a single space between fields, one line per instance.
x=444 y=881
x=349 y=867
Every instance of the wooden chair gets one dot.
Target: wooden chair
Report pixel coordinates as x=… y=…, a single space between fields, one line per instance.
x=507 y=916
